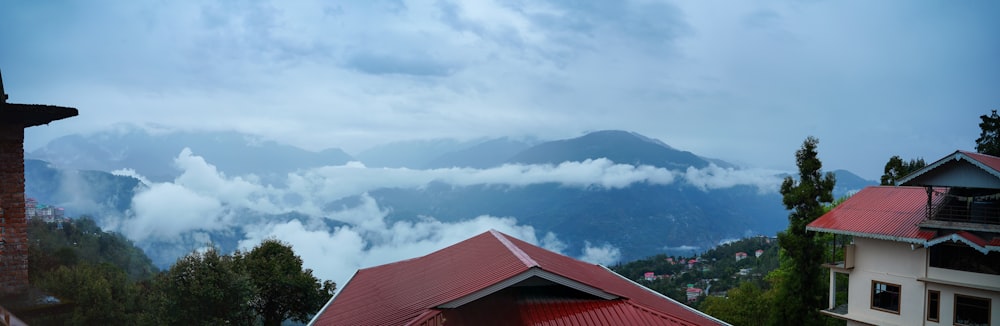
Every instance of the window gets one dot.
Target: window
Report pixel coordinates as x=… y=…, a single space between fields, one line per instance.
x=961 y=257
x=933 y=305
x=971 y=311
x=885 y=296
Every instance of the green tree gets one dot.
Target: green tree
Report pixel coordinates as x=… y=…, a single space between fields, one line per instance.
x=896 y=169
x=99 y=294
x=282 y=289
x=204 y=288
x=744 y=305
x=989 y=140
x=800 y=292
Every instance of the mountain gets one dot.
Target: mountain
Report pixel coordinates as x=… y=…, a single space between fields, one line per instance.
x=152 y=153
x=79 y=192
x=849 y=183
x=487 y=154
x=697 y=206
x=619 y=146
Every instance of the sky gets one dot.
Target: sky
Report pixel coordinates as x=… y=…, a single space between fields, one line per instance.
x=744 y=81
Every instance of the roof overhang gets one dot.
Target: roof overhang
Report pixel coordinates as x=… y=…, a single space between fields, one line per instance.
x=927 y=175
x=30 y=115
x=532 y=272
x=967 y=238
x=961 y=236
x=868 y=235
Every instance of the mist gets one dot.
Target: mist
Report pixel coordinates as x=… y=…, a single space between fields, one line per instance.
x=169 y=219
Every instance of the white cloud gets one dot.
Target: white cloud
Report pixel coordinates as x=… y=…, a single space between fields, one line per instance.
x=715 y=177
x=605 y=254
x=336 y=254
x=203 y=198
x=166 y=210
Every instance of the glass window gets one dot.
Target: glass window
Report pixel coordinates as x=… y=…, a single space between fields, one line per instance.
x=933 y=305
x=885 y=296
x=971 y=311
x=959 y=256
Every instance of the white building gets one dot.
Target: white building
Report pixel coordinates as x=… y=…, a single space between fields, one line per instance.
x=924 y=253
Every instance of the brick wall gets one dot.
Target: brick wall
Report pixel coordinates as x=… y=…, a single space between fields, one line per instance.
x=14 y=253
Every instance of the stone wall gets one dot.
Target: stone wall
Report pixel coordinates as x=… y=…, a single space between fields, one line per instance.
x=14 y=251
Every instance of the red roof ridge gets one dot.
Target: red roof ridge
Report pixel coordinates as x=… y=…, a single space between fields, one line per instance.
x=520 y=254
x=989 y=163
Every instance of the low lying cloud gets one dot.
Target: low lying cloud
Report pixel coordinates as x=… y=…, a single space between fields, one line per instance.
x=336 y=253
x=605 y=254
x=715 y=177
x=203 y=201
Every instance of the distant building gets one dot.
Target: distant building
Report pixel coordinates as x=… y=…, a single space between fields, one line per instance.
x=693 y=293
x=649 y=276
x=744 y=271
x=29 y=207
x=926 y=252
x=758 y=253
x=741 y=256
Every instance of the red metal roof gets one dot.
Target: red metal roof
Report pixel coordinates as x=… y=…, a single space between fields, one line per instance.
x=512 y=308
x=992 y=162
x=880 y=212
x=894 y=213
x=411 y=291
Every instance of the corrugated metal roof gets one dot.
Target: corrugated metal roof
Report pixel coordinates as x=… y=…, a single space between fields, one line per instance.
x=410 y=291
x=512 y=307
x=894 y=213
x=880 y=212
x=543 y=312
x=990 y=164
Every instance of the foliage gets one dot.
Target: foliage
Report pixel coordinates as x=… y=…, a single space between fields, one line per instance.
x=716 y=268
x=800 y=290
x=282 y=289
x=67 y=243
x=745 y=305
x=896 y=169
x=98 y=294
x=102 y=279
x=204 y=288
x=989 y=139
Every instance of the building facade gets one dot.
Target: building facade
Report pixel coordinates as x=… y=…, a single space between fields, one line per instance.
x=923 y=253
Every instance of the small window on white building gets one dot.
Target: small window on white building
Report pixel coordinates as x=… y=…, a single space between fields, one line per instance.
x=885 y=296
x=933 y=305
x=971 y=311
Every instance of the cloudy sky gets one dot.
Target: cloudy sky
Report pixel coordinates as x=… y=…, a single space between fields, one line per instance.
x=744 y=81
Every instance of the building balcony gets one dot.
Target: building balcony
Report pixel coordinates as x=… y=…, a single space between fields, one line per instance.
x=975 y=209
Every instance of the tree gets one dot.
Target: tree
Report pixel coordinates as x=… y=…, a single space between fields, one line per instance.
x=800 y=292
x=989 y=140
x=744 y=305
x=99 y=294
x=896 y=169
x=204 y=288
x=282 y=289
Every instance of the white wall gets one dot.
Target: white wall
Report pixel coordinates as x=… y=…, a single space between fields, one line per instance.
x=890 y=262
x=894 y=262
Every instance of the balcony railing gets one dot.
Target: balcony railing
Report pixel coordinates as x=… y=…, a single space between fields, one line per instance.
x=966 y=209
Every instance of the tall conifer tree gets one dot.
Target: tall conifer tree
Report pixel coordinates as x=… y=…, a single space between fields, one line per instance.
x=800 y=293
x=989 y=139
